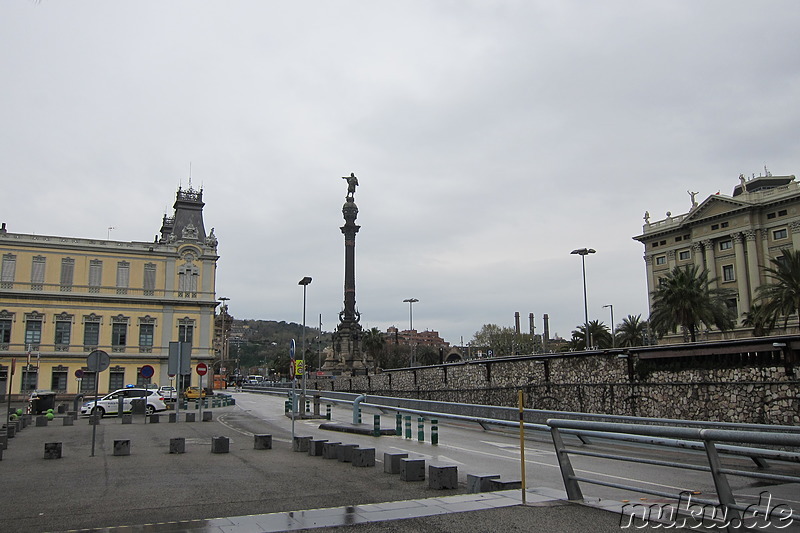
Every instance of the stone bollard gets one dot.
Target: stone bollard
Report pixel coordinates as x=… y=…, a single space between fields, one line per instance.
x=94 y=420
x=363 y=457
x=496 y=484
x=300 y=444
x=220 y=444
x=3 y=441
x=27 y=420
x=207 y=415
x=52 y=450
x=262 y=442
x=11 y=431
x=173 y=417
x=177 y=445
x=190 y=417
x=41 y=421
x=73 y=414
x=315 y=447
x=391 y=462
x=412 y=469
x=122 y=447
x=345 y=452
x=127 y=418
x=330 y=450
x=442 y=477
x=68 y=421
x=479 y=482
x=155 y=419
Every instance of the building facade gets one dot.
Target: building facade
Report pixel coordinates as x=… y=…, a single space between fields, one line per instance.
x=63 y=297
x=734 y=237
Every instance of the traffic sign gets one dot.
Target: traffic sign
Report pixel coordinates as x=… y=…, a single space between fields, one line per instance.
x=147 y=371
x=291 y=350
x=79 y=373
x=202 y=369
x=291 y=368
x=299 y=367
x=98 y=361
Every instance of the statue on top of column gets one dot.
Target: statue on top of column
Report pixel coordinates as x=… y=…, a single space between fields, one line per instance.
x=352 y=183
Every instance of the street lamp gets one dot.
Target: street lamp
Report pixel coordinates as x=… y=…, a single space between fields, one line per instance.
x=613 y=337
x=411 y=302
x=583 y=252
x=223 y=353
x=304 y=282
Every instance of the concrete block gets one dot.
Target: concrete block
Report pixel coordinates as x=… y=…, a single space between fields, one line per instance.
x=94 y=420
x=73 y=414
x=155 y=419
x=27 y=420
x=41 y=421
x=3 y=441
x=480 y=482
x=315 y=447
x=122 y=447
x=127 y=418
x=52 y=450
x=442 y=477
x=300 y=444
x=11 y=431
x=412 y=469
x=330 y=450
x=364 y=457
x=190 y=417
x=262 y=442
x=207 y=415
x=344 y=453
x=220 y=445
x=68 y=421
x=177 y=445
x=391 y=462
x=173 y=417
x=496 y=484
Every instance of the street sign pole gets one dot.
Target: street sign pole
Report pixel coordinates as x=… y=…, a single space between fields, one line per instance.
x=294 y=382
x=10 y=380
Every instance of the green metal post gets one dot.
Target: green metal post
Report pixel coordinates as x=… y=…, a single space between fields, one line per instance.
x=408 y=426
x=398 y=420
x=328 y=411
x=359 y=415
x=434 y=432
x=421 y=429
x=376 y=425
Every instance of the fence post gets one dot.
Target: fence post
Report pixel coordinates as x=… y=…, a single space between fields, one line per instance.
x=408 y=426
x=328 y=411
x=376 y=425
x=398 y=420
x=421 y=429
x=567 y=473
x=434 y=432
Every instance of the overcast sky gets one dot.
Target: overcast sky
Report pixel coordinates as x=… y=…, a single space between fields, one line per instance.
x=489 y=139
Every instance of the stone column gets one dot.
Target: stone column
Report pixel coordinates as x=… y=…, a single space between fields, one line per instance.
x=651 y=282
x=671 y=260
x=765 y=258
x=795 y=229
x=753 y=269
x=741 y=273
x=697 y=255
x=711 y=263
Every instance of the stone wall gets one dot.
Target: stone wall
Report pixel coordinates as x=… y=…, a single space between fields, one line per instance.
x=596 y=383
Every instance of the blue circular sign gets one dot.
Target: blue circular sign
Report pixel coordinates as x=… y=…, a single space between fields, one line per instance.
x=291 y=350
x=147 y=371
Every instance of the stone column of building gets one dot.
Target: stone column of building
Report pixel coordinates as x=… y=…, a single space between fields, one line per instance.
x=711 y=262
x=741 y=273
x=765 y=257
x=795 y=229
x=753 y=268
x=697 y=255
x=671 y=260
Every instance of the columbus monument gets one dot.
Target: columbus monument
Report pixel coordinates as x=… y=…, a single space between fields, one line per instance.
x=347 y=353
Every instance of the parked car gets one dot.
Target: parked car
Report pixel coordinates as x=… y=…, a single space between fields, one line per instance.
x=109 y=404
x=192 y=393
x=169 y=393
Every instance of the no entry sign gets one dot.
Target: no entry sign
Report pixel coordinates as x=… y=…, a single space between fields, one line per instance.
x=202 y=369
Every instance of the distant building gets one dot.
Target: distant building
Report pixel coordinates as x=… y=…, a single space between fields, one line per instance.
x=414 y=338
x=734 y=237
x=63 y=297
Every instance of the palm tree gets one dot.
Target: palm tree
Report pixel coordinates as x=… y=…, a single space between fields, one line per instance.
x=684 y=298
x=373 y=343
x=631 y=331
x=781 y=295
x=599 y=335
x=760 y=319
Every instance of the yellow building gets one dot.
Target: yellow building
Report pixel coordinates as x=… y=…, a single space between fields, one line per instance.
x=63 y=297
x=733 y=237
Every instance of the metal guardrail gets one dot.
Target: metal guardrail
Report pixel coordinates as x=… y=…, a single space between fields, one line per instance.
x=709 y=438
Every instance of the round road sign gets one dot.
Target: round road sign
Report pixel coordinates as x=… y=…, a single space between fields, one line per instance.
x=291 y=350
x=98 y=361
x=201 y=369
x=79 y=373
x=147 y=371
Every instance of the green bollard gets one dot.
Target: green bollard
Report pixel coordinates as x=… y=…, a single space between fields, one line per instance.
x=398 y=430
x=308 y=405
x=376 y=425
x=359 y=415
x=328 y=411
x=408 y=426
x=287 y=406
x=434 y=432
x=421 y=429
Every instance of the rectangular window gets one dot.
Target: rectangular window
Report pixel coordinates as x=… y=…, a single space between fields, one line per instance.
x=58 y=383
x=116 y=380
x=95 y=275
x=727 y=273
x=714 y=226
x=30 y=379
x=726 y=245
x=185 y=333
x=119 y=334
x=782 y=213
x=779 y=234
x=5 y=332
x=678 y=238
x=9 y=271
x=67 y=273
x=732 y=306
x=63 y=331
x=661 y=260
x=724 y=225
x=33 y=333
x=770 y=216
x=684 y=255
x=37 y=272
x=91 y=335
x=149 y=279
x=123 y=277
x=87 y=382
x=146 y=332
x=140 y=380
x=655 y=245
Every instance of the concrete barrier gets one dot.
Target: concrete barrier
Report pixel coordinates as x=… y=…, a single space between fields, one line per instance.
x=220 y=445
x=190 y=417
x=94 y=420
x=364 y=457
x=3 y=440
x=11 y=431
x=177 y=445
x=300 y=444
x=391 y=462
x=442 y=477
x=68 y=421
x=41 y=421
x=173 y=418
x=127 y=418
x=155 y=419
x=330 y=450
x=496 y=484
x=480 y=482
x=122 y=447
x=262 y=442
x=207 y=415
x=52 y=450
x=344 y=453
x=412 y=469
x=315 y=447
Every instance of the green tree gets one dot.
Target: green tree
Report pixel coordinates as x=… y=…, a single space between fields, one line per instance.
x=781 y=294
x=760 y=319
x=373 y=342
x=631 y=331
x=684 y=298
x=504 y=341
x=599 y=336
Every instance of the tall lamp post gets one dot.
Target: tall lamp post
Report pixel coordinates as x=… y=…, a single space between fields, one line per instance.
x=223 y=352
x=613 y=337
x=583 y=252
x=304 y=282
x=411 y=302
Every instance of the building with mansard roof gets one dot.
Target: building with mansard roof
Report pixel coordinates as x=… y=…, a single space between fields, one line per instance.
x=735 y=237
x=63 y=297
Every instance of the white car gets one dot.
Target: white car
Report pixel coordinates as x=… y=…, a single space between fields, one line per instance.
x=109 y=404
x=169 y=393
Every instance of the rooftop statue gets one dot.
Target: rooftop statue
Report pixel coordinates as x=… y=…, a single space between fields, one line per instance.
x=352 y=183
